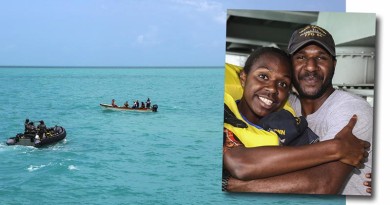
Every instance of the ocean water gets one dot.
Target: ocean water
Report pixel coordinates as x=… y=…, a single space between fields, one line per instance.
x=173 y=156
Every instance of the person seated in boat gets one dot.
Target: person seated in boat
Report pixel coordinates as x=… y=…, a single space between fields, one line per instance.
x=30 y=128
x=41 y=129
x=134 y=105
x=142 y=105
x=137 y=103
x=26 y=125
x=148 y=103
x=113 y=103
x=126 y=105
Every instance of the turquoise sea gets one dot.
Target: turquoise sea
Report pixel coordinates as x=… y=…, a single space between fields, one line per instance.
x=173 y=156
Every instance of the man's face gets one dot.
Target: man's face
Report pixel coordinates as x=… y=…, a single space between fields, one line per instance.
x=266 y=86
x=313 y=71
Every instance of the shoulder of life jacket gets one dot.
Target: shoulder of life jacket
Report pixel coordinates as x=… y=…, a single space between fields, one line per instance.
x=250 y=136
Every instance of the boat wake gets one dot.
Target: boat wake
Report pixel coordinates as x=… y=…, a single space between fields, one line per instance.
x=32 y=168
x=72 y=167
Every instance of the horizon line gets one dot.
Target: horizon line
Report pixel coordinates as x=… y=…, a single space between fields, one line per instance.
x=115 y=67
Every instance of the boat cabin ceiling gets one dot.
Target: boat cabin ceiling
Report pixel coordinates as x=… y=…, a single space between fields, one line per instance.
x=354 y=35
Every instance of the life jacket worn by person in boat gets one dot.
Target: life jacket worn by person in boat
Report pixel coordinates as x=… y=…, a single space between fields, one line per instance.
x=279 y=128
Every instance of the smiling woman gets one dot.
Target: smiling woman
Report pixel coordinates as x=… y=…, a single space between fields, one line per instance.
x=266 y=80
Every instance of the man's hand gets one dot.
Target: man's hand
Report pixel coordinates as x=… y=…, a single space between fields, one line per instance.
x=353 y=151
x=368 y=183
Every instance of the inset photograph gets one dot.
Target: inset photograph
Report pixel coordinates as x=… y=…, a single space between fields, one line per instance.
x=299 y=102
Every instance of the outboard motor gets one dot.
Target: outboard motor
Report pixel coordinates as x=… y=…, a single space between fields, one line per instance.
x=154 y=108
x=11 y=141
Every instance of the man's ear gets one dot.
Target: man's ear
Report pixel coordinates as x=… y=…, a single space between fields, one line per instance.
x=242 y=78
x=334 y=63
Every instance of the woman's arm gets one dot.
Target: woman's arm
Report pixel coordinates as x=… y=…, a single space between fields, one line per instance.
x=261 y=162
x=326 y=178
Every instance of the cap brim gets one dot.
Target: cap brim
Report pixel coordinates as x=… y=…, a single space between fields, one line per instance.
x=299 y=45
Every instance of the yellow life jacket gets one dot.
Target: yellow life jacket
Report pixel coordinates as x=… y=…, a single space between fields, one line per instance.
x=232 y=81
x=250 y=136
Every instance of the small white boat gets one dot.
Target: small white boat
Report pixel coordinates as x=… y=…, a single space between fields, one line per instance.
x=110 y=107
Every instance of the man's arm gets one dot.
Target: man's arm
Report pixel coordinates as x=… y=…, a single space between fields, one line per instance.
x=262 y=162
x=327 y=178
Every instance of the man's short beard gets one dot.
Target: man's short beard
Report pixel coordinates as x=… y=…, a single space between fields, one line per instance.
x=319 y=93
x=316 y=95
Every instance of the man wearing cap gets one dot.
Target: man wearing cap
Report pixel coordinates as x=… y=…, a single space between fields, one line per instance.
x=327 y=111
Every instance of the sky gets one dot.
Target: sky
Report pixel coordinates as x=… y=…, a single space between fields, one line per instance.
x=126 y=32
